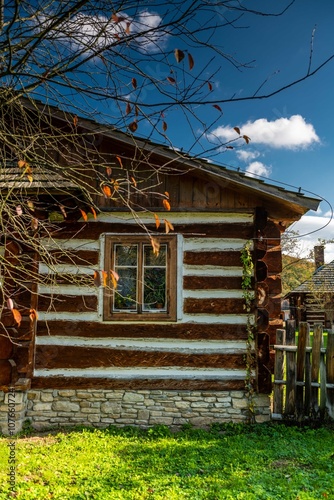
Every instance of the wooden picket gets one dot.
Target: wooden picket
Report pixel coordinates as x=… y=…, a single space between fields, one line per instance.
x=304 y=374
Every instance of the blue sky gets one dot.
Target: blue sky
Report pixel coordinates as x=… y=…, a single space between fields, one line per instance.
x=292 y=138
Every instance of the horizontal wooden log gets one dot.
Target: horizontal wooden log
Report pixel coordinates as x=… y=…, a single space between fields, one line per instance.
x=8 y=320
x=54 y=356
x=70 y=303
x=76 y=257
x=142 y=384
x=214 y=306
x=186 y=331
x=212 y=259
x=212 y=282
x=5 y=372
x=93 y=230
x=6 y=347
x=22 y=357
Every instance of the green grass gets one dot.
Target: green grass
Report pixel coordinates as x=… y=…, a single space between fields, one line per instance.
x=234 y=462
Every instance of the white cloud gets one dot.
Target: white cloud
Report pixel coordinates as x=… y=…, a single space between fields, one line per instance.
x=84 y=32
x=244 y=155
x=312 y=227
x=287 y=133
x=257 y=168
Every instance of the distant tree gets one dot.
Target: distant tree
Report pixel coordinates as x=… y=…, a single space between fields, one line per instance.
x=296 y=268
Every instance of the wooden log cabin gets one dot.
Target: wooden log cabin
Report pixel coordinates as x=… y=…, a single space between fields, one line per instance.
x=168 y=345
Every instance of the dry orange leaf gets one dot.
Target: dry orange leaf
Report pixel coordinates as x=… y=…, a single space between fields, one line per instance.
x=107 y=191
x=155 y=245
x=168 y=226
x=134 y=182
x=133 y=126
x=179 y=55
x=114 y=278
x=84 y=215
x=128 y=108
x=17 y=316
x=75 y=120
x=157 y=221
x=210 y=86
x=115 y=184
x=119 y=159
x=171 y=80
x=190 y=61
x=134 y=83
x=97 y=278
x=166 y=204
x=104 y=278
x=63 y=211
x=108 y=171
x=117 y=19
x=93 y=212
x=34 y=224
x=216 y=106
x=21 y=163
x=237 y=129
x=164 y=126
x=247 y=139
x=33 y=315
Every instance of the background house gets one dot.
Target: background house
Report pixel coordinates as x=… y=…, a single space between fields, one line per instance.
x=313 y=300
x=168 y=345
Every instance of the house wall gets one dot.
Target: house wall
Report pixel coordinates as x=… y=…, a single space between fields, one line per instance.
x=96 y=372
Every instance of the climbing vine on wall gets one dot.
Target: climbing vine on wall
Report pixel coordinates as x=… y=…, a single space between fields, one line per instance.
x=248 y=295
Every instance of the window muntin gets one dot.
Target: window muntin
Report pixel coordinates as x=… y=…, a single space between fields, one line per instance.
x=146 y=288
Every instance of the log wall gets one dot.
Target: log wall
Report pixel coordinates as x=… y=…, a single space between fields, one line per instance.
x=203 y=350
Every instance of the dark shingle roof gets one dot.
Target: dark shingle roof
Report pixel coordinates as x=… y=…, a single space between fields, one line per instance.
x=36 y=177
x=321 y=281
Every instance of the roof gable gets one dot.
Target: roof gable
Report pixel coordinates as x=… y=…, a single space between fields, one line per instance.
x=229 y=189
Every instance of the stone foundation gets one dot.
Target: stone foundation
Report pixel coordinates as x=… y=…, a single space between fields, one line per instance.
x=13 y=411
x=100 y=408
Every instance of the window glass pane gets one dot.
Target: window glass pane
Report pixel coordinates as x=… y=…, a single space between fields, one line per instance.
x=125 y=296
x=150 y=259
x=155 y=289
x=125 y=255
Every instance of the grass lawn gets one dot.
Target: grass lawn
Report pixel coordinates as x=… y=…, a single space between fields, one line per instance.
x=268 y=461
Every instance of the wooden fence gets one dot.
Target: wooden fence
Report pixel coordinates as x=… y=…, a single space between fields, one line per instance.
x=304 y=374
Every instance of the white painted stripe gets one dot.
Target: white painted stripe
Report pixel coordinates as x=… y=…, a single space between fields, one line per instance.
x=167 y=345
x=213 y=294
x=213 y=244
x=68 y=316
x=67 y=290
x=66 y=269
x=72 y=244
x=145 y=373
x=211 y=271
x=228 y=319
x=177 y=218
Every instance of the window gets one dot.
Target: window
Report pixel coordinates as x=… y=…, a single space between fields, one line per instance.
x=146 y=289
